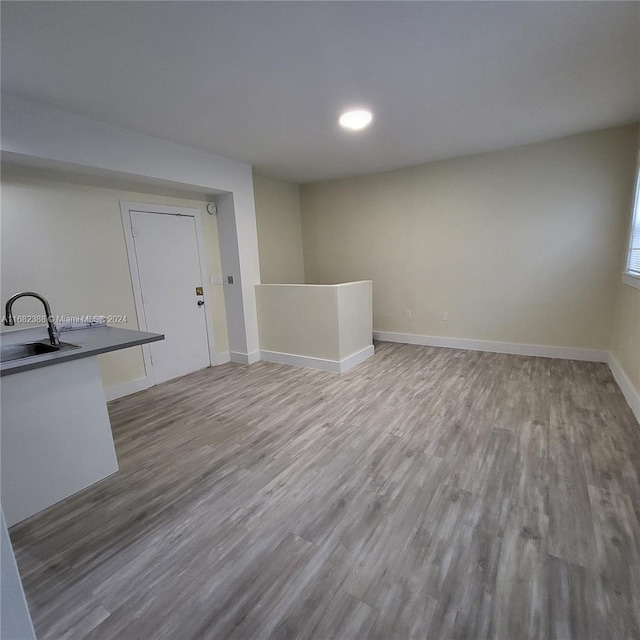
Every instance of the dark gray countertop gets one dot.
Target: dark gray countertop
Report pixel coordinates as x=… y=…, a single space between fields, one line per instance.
x=91 y=342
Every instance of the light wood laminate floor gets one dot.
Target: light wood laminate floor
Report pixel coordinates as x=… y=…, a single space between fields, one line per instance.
x=427 y=493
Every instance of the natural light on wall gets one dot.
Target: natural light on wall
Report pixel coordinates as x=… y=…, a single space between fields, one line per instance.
x=633 y=261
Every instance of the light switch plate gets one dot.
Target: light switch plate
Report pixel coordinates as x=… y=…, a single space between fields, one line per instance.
x=215 y=279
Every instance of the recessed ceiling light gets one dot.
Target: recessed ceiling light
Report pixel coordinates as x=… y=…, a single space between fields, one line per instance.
x=355 y=120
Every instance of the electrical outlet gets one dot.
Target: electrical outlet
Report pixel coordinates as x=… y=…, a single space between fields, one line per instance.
x=215 y=279
x=407 y=314
x=445 y=316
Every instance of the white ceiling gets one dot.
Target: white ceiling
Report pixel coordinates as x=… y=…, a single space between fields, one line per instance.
x=265 y=82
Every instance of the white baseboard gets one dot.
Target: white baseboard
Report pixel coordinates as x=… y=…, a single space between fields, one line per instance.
x=631 y=394
x=244 y=358
x=301 y=361
x=333 y=366
x=356 y=358
x=222 y=358
x=543 y=351
x=127 y=388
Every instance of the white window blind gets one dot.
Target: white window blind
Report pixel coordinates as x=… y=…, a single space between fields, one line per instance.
x=633 y=263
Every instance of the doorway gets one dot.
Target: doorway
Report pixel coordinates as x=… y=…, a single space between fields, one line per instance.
x=168 y=274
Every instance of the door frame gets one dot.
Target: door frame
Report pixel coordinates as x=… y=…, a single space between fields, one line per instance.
x=125 y=209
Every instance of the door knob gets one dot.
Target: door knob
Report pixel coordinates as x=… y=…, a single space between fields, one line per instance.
x=200 y=303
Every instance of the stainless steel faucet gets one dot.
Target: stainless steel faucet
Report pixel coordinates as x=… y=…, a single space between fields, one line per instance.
x=10 y=321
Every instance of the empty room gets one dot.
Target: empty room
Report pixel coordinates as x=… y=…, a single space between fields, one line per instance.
x=321 y=320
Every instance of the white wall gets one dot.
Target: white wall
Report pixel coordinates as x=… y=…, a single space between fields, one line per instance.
x=62 y=236
x=519 y=246
x=299 y=319
x=625 y=337
x=34 y=134
x=355 y=325
x=325 y=322
x=279 y=230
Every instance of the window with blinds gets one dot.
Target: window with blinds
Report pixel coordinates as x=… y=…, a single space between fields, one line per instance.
x=633 y=263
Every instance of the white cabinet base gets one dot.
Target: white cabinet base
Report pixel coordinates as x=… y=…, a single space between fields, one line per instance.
x=56 y=436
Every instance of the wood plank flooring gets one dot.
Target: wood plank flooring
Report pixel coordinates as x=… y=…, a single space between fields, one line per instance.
x=427 y=493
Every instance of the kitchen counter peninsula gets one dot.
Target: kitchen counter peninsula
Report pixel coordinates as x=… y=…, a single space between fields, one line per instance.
x=56 y=435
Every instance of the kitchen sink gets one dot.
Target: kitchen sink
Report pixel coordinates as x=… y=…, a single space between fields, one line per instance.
x=9 y=352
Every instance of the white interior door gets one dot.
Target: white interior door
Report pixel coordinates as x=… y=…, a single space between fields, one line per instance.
x=168 y=265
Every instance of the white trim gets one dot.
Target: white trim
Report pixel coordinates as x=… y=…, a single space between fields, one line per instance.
x=125 y=212
x=127 y=388
x=632 y=279
x=635 y=212
x=332 y=366
x=302 y=284
x=244 y=358
x=125 y=209
x=543 y=351
x=631 y=394
x=223 y=358
x=208 y=299
x=356 y=358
